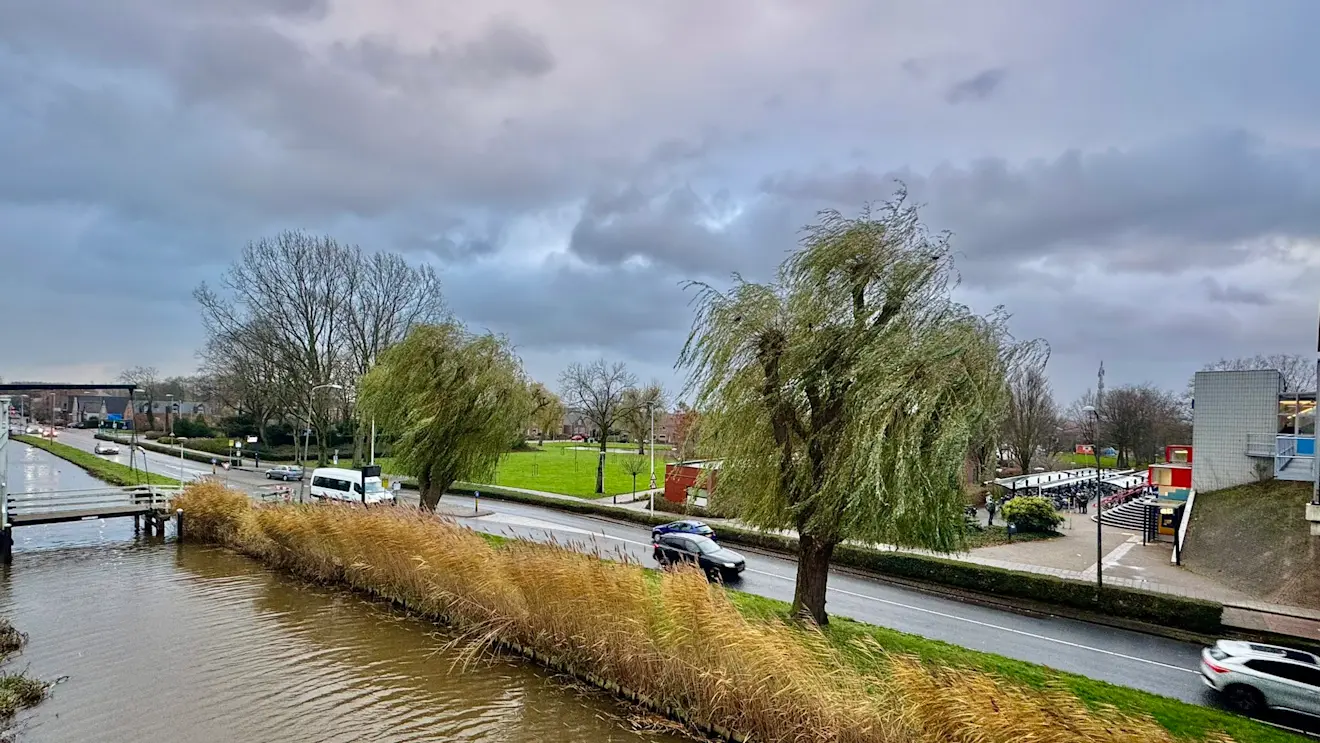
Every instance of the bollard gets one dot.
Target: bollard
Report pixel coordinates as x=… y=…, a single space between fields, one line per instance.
x=476 y=502
x=137 y=523
x=7 y=544
x=178 y=525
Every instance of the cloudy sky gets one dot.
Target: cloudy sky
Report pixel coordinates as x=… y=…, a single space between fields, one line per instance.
x=1135 y=182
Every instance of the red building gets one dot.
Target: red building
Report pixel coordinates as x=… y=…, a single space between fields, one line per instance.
x=1172 y=478
x=684 y=481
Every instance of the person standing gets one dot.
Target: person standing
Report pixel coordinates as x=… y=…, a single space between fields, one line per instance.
x=990 y=507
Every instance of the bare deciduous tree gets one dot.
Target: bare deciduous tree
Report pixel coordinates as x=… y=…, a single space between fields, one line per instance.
x=291 y=287
x=597 y=392
x=1137 y=420
x=246 y=373
x=147 y=378
x=1298 y=371
x=635 y=418
x=1032 y=413
x=385 y=298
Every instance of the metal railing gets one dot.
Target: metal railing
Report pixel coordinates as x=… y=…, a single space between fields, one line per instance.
x=1262 y=444
x=136 y=498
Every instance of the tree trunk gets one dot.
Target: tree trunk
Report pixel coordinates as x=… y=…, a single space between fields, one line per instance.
x=813 y=572
x=641 y=447
x=429 y=493
x=600 y=469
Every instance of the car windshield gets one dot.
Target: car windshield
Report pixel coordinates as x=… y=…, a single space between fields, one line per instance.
x=706 y=546
x=1218 y=654
x=373 y=487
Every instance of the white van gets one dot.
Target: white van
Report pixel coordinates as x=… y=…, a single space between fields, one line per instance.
x=335 y=483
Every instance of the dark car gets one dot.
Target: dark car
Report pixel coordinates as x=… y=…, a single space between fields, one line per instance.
x=714 y=560
x=683 y=527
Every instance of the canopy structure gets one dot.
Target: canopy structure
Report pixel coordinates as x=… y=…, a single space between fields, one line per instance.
x=1120 y=479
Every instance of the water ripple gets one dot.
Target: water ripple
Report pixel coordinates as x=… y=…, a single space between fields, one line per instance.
x=191 y=644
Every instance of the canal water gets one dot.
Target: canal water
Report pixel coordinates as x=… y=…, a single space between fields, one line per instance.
x=159 y=641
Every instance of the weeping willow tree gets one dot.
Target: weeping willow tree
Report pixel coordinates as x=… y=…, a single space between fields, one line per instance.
x=451 y=400
x=845 y=395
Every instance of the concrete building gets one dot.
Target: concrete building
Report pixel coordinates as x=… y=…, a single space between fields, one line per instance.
x=1247 y=427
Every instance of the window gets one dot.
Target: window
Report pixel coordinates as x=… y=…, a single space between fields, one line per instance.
x=1290 y=671
x=705 y=546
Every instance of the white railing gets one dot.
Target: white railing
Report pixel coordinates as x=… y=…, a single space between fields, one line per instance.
x=140 y=497
x=1262 y=444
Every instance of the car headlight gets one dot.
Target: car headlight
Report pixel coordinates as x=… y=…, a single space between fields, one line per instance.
x=730 y=564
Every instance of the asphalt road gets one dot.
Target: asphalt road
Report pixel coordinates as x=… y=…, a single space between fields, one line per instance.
x=1154 y=664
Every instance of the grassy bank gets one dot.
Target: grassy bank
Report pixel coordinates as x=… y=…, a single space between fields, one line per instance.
x=1283 y=564
x=113 y=473
x=722 y=659
x=16 y=690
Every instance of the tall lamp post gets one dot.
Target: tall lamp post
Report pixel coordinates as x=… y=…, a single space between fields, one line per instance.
x=307 y=435
x=650 y=408
x=1099 y=499
x=169 y=404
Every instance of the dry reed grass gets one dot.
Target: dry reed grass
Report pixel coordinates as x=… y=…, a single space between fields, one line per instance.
x=674 y=640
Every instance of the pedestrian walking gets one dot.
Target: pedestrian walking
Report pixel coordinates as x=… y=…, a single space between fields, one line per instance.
x=990 y=507
x=256 y=460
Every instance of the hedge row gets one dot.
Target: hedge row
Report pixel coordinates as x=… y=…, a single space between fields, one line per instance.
x=163 y=449
x=1192 y=615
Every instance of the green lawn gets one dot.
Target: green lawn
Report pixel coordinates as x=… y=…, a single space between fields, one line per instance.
x=1088 y=460
x=1177 y=717
x=113 y=473
x=560 y=468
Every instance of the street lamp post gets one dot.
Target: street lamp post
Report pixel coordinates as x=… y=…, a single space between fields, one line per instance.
x=169 y=404
x=307 y=434
x=1099 y=500
x=650 y=407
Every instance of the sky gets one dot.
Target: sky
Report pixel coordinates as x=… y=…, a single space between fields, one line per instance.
x=1135 y=183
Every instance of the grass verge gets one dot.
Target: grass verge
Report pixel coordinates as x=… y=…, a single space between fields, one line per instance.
x=723 y=661
x=113 y=473
x=16 y=690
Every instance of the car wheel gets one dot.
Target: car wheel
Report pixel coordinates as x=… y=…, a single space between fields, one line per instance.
x=1244 y=698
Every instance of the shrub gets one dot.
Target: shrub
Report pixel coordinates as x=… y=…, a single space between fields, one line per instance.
x=153 y=435
x=1032 y=513
x=192 y=428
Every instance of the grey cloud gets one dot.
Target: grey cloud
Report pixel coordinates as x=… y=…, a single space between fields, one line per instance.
x=556 y=305
x=502 y=51
x=1216 y=291
x=1193 y=200
x=977 y=87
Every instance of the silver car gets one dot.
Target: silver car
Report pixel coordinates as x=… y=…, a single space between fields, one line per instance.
x=285 y=472
x=1253 y=677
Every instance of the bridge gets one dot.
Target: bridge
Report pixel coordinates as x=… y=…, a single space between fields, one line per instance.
x=149 y=504
x=145 y=503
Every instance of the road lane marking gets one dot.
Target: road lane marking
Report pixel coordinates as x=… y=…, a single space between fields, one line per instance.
x=1024 y=633
x=933 y=612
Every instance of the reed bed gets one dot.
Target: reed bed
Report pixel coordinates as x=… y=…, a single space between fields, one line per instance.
x=673 y=641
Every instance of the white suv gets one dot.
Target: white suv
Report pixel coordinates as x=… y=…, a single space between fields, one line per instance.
x=1252 y=676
